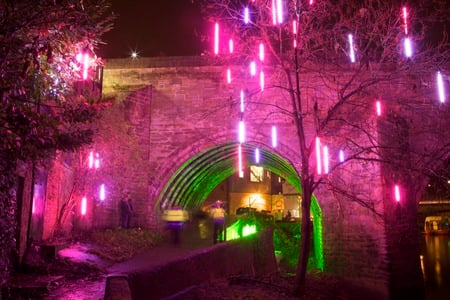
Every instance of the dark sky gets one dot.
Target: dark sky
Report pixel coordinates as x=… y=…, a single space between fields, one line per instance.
x=154 y=28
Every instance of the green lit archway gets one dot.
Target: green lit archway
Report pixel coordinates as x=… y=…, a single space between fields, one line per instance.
x=199 y=176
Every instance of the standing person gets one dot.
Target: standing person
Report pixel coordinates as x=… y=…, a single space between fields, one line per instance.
x=175 y=218
x=218 y=216
x=126 y=209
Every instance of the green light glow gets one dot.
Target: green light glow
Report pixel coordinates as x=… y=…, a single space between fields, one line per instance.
x=199 y=176
x=248 y=230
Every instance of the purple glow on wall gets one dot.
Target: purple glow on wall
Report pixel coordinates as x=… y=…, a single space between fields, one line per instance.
x=397 y=193
x=341 y=156
x=102 y=192
x=216 y=38
x=408 y=47
x=378 y=108
x=440 y=84
x=241 y=131
x=318 y=158
x=257 y=156
x=352 y=48
x=242 y=101
x=261 y=80
x=83 y=205
x=326 y=162
x=274 y=136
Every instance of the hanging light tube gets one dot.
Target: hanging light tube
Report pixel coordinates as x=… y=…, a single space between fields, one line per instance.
x=326 y=162
x=231 y=46
x=341 y=156
x=216 y=38
x=252 y=68
x=397 y=193
x=102 y=192
x=241 y=172
x=408 y=47
x=378 y=108
x=280 y=11
x=241 y=131
x=261 y=80
x=257 y=156
x=83 y=205
x=228 y=75
x=405 y=19
x=246 y=15
x=352 y=49
x=91 y=160
x=274 y=136
x=242 y=101
x=261 y=51
x=318 y=156
x=440 y=84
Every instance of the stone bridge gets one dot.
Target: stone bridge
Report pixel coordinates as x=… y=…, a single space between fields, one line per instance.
x=171 y=136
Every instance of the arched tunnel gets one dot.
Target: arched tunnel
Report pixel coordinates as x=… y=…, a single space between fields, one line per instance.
x=190 y=185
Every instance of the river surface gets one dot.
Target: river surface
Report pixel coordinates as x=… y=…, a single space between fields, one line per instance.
x=435 y=262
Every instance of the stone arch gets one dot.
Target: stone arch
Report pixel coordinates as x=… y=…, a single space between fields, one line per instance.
x=197 y=177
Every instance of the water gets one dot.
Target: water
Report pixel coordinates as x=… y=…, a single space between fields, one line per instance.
x=435 y=262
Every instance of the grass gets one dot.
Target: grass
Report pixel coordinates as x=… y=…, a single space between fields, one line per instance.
x=120 y=244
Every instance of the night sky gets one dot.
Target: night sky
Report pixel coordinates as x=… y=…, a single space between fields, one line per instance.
x=167 y=27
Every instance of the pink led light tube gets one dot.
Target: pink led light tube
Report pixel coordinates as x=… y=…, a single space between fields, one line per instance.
x=274 y=136
x=408 y=47
x=231 y=46
x=261 y=52
x=405 y=19
x=280 y=11
x=257 y=158
x=242 y=101
x=341 y=156
x=397 y=193
x=261 y=80
x=326 y=162
x=252 y=68
x=83 y=205
x=102 y=192
x=352 y=49
x=241 y=132
x=216 y=38
x=378 y=107
x=91 y=160
x=246 y=15
x=228 y=75
x=318 y=158
x=440 y=84
x=241 y=172
x=274 y=13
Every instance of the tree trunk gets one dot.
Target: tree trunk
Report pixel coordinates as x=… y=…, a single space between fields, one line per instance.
x=302 y=265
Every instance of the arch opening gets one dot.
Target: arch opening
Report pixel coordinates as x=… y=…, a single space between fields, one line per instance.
x=191 y=184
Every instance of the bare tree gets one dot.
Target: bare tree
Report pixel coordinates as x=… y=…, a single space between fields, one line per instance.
x=332 y=60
